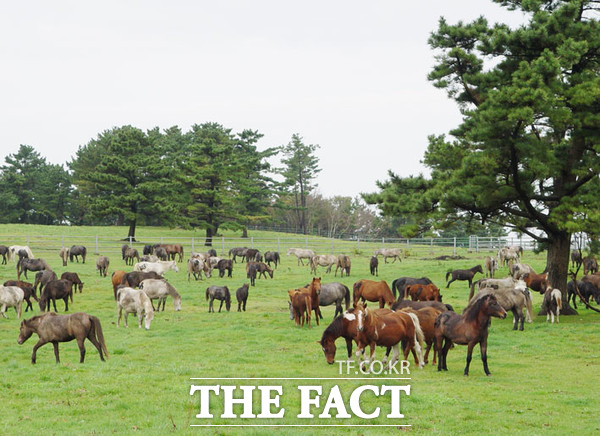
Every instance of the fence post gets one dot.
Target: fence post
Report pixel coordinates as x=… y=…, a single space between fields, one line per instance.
x=431 y=246
x=382 y=242
x=454 y=251
x=278 y=245
x=358 y=244
x=97 y=244
x=192 y=243
x=223 y=244
x=63 y=241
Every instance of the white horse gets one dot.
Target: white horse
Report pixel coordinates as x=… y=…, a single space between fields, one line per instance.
x=11 y=296
x=506 y=254
x=301 y=253
x=394 y=253
x=327 y=260
x=160 y=289
x=158 y=267
x=135 y=301
x=13 y=252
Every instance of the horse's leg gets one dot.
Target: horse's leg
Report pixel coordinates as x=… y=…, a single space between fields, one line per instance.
x=81 y=349
x=54 y=303
x=451 y=280
x=387 y=355
x=92 y=337
x=443 y=353
x=221 y=305
x=483 y=350
x=426 y=357
x=140 y=316
x=55 y=344
x=67 y=303
x=522 y=318
x=321 y=314
x=349 y=348
x=381 y=303
x=35 y=348
x=125 y=319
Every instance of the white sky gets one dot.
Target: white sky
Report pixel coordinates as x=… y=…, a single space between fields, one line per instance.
x=347 y=75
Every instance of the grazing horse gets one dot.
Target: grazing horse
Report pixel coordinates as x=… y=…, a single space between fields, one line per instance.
x=11 y=296
x=491 y=266
x=64 y=255
x=3 y=253
x=301 y=253
x=374 y=266
x=370 y=290
x=238 y=252
x=27 y=264
x=428 y=292
x=586 y=288
x=135 y=301
x=225 y=265
x=54 y=328
x=242 y=296
x=334 y=293
x=344 y=263
x=464 y=274
x=512 y=298
x=76 y=282
x=159 y=289
x=161 y=253
x=553 y=303
x=42 y=278
x=253 y=255
x=400 y=285
x=401 y=304
x=272 y=256
x=590 y=265
x=394 y=253
x=219 y=293
x=102 y=265
x=518 y=270
x=27 y=289
x=389 y=330
x=327 y=260
x=56 y=290
x=196 y=267
x=159 y=267
x=76 y=251
x=130 y=254
x=300 y=306
x=254 y=269
x=470 y=329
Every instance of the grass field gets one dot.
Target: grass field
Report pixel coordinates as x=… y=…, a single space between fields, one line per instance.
x=543 y=379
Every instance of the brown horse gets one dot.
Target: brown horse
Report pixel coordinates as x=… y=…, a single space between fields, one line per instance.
x=370 y=290
x=116 y=279
x=388 y=330
x=427 y=317
x=464 y=274
x=56 y=290
x=537 y=282
x=300 y=304
x=313 y=290
x=468 y=329
x=428 y=292
x=54 y=328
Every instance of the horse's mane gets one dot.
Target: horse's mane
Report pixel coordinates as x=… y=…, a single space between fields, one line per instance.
x=334 y=329
x=471 y=312
x=171 y=289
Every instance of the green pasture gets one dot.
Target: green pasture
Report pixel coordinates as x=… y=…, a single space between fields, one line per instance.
x=543 y=379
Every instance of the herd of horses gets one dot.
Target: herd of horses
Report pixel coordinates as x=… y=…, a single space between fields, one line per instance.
x=415 y=319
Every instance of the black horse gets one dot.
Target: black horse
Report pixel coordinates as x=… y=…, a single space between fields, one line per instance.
x=242 y=296
x=56 y=290
x=400 y=284
x=218 y=293
x=464 y=274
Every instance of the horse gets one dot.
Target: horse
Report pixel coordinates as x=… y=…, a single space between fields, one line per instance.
x=134 y=278
x=491 y=266
x=590 y=265
x=401 y=304
x=27 y=264
x=553 y=303
x=253 y=255
x=74 y=279
x=389 y=330
x=507 y=253
x=225 y=265
x=344 y=263
x=219 y=293
x=537 y=282
x=327 y=260
x=196 y=267
x=334 y=293
x=463 y=274
x=27 y=289
x=11 y=296
x=373 y=291
x=129 y=255
x=135 y=301
x=428 y=292
x=587 y=290
x=242 y=296
x=160 y=267
x=394 y=253
x=3 y=253
x=76 y=251
x=518 y=270
x=148 y=249
x=512 y=298
x=272 y=256
x=102 y=265
x=56 y=290
x=374 y=266
x=124 y=248
x=160 y=289
x=42 y=278
x=470 y=329
x=161 y=253
x=576 y=258
x=300 y=306
x=54 y=328
x=254 y=269
x=401 y=283
x=116 y=279
x=301 y=253
x=13 y=252
x=64 y=255
x=172 y=250
x=313 y=290
x=238 y=252
x=427 y=316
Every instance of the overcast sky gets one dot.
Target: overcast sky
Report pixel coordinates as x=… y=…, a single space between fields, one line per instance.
x=350 y=76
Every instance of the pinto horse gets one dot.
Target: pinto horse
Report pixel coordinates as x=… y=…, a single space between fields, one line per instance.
x=371 y=290
x=464 y=274
x=468 y=329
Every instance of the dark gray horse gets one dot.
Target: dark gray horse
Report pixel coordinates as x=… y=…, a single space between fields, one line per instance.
x=242 y=296
x=334 y=293
x=238 y=252
x=3 y=253
x=27 y=264
x=272 y=256
x=218 y=293
x=76 y=251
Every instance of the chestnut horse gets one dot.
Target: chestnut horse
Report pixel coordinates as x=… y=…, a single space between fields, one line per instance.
x=371 y=290
x=428 y=292
x=468 y=329
x=427 y=317
x=313 y=290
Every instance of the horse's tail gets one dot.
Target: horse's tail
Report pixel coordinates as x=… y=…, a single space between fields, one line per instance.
x=356 y=291
x=447 y=274
x=419 y=338
x=528 y=305
x=472 y=291
x=98 y=333
x=207 y=294
x=558 y=298
x=347 y=296
x=394 y=289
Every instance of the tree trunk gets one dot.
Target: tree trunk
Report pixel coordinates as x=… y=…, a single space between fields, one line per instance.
x=209 y=236
x=245 y=232
x=131 y=233
x=557 y=261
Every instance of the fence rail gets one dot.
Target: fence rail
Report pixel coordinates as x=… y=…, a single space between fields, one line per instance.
x=109 y=245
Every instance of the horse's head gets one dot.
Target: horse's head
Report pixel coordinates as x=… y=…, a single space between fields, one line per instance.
x=25 y=331
x=316 y=284
x=361 y=312
x=328 y=347
x=493 y=307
